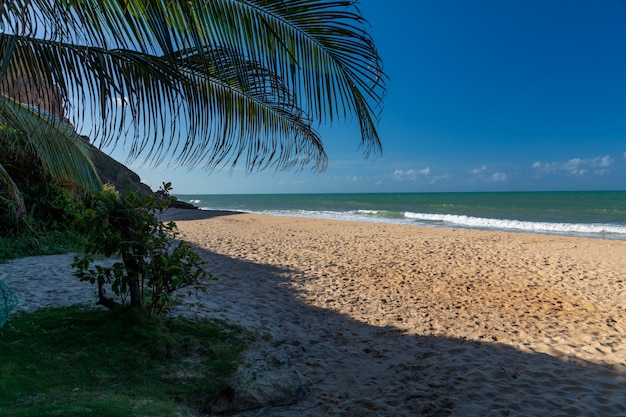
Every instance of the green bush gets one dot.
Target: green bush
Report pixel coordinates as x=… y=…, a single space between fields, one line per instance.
x=49 y=243
x=152 y=266
x=49 y=205
x=53 y=207
x=49 y=227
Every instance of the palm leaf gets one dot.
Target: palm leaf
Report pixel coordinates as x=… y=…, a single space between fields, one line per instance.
x=247 y=102
x=13 y=191
x=63 y=154
x=172 y=67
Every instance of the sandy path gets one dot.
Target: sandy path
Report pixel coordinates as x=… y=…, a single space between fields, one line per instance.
x=360 y=319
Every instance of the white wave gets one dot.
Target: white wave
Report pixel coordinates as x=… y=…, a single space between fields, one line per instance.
x=503 y=224
x=612 y=231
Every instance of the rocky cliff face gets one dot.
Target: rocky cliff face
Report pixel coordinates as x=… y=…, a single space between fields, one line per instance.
x=39 y=93
x=42 y=95
x=113 y=172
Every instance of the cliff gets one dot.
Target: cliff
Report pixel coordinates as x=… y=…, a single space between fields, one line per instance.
x=115 y=173
x=125 y=180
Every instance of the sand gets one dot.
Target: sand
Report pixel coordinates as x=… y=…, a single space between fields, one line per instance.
x=368 y=319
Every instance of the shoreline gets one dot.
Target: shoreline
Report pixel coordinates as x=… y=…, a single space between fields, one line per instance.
x=577 y=213
x=370 y=319
x=176 y=214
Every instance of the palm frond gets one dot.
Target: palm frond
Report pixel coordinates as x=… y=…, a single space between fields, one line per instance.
x=167 y=71
x=12 y=190
x=235 y=98
x=250 y=82
x=320 y=47
x=63 y=153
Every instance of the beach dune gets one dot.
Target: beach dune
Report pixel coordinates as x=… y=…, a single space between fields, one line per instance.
x=372 y=319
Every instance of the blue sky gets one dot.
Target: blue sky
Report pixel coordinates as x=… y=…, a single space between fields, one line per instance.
x=487 y=95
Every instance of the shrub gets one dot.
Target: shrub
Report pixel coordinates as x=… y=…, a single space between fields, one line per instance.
x=48 y=205
x=152 y=266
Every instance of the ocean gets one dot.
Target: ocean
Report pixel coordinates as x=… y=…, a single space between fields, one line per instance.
x=596 y=214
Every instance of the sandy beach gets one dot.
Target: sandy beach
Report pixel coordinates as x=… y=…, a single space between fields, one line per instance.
x=371 y=319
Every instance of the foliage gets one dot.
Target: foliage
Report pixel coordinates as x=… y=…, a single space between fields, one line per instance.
x=50 y=225
x=12 y=149
x=50 y=208
x=53 y=205
x=153 y=264
x=36 y=244
x=203 y=83
x=73 y=361
x=42 y=203
x=38 y=148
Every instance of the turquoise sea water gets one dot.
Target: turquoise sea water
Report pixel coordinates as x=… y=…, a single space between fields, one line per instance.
x=599 y=214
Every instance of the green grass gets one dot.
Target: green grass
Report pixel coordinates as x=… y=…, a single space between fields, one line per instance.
x=73 y=361
x=49 y=243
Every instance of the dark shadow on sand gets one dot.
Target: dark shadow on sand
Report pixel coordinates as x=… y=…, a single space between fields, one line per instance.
x=412 y=375
x=176 y=214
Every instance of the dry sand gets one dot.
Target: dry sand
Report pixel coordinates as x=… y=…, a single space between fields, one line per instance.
x=365 y=319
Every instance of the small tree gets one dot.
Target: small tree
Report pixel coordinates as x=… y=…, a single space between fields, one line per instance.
x=153 y=265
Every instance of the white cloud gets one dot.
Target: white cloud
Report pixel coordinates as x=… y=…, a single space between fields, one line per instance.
x=480 y=170
x=576 y=166
x=353 y=178
x=499 y=177
x=444 y=177
x=410 y=174
x=402 y=175
x=605 y=161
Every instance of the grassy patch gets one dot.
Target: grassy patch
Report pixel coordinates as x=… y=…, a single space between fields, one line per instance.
x=72 y=361
x=49 y=243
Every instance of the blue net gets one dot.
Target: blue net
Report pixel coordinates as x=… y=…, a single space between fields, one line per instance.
x=8 y=301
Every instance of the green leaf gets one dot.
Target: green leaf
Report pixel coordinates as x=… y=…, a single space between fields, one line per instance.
x=61 y=151
x=215 y=83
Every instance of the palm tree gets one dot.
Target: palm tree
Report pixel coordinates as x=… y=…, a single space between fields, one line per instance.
x=214 y=83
